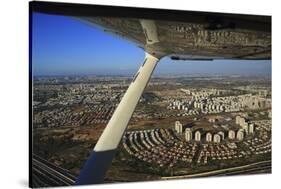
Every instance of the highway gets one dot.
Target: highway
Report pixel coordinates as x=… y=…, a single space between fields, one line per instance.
x=46 y=174
x=258 y=167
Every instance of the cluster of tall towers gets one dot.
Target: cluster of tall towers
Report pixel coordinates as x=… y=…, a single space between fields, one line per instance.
x=245 y=128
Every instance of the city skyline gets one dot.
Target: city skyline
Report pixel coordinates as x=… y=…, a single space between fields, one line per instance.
x=61 y=43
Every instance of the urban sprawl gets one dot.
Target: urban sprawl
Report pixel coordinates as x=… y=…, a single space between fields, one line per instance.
x=181 y=124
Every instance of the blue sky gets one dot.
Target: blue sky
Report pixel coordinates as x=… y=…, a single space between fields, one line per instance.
x=65 y=46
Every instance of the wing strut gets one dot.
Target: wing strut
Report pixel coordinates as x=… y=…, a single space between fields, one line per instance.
x=100 y=159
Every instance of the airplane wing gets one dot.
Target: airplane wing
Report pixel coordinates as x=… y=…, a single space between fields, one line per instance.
x=197 y=38
x=181 y=35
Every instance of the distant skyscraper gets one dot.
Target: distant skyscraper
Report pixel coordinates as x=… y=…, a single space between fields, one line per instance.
x=231 y=134
x=240 y=134
x=188 y=134
x=251 y=128
x=197 y=136
x=221 y=133
x=209 y=137
x=178 y=127
x=217 y=138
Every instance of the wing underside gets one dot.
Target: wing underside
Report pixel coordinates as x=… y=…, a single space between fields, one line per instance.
x=204 y=40
x=182 y=35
